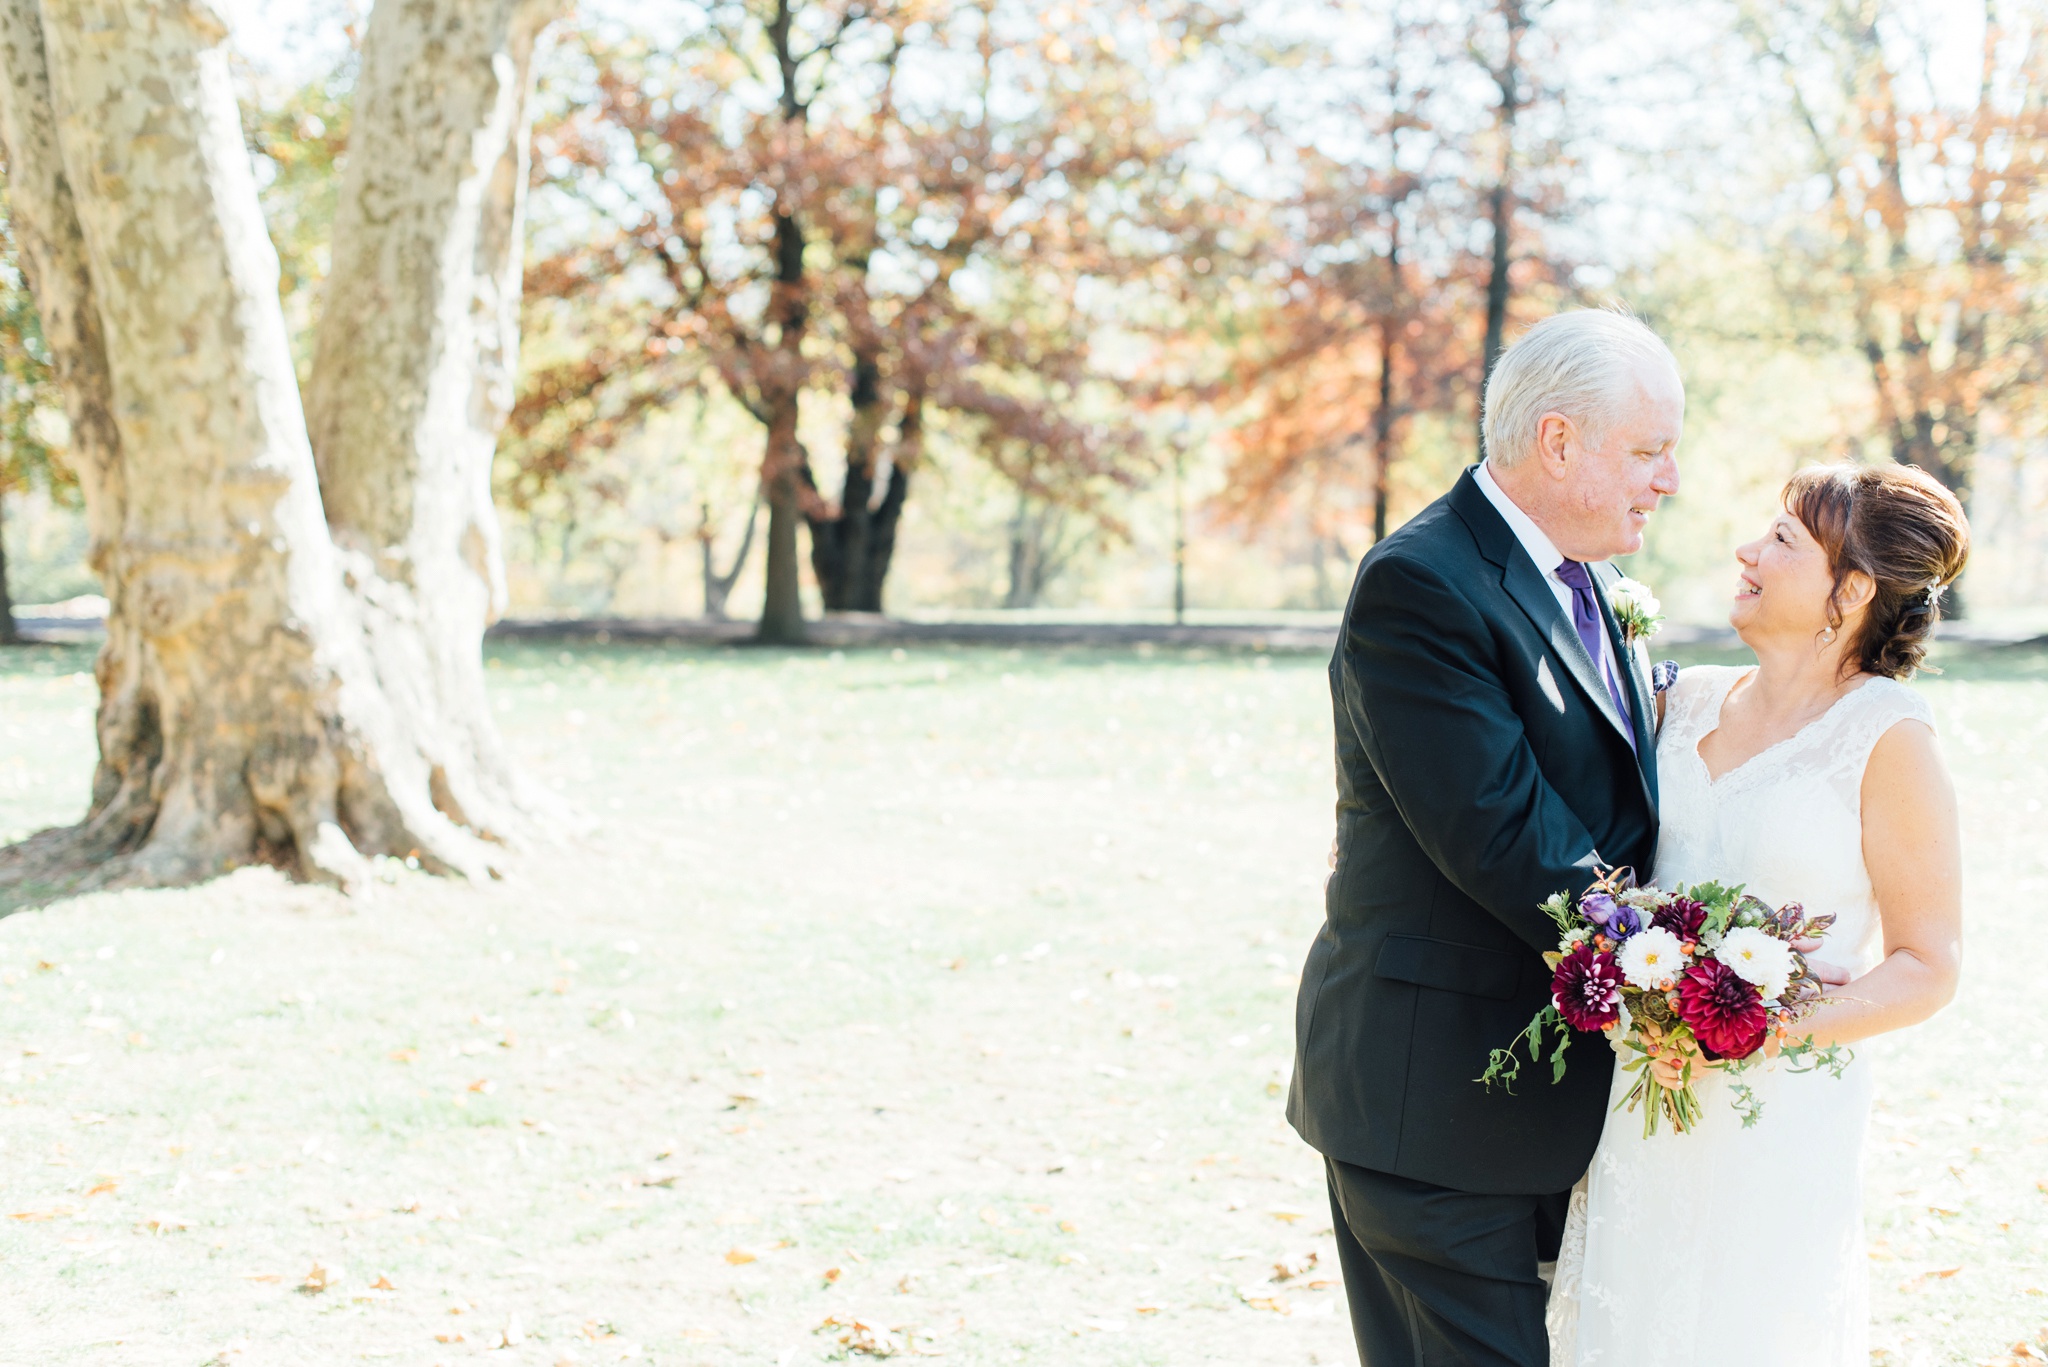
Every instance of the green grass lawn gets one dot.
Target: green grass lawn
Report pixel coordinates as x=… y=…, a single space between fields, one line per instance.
x=938 y=1000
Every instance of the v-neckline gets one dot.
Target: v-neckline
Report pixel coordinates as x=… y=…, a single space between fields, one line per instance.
x=1714 y=782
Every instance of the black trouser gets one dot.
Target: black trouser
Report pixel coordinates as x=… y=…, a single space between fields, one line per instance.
x=1443 y=1278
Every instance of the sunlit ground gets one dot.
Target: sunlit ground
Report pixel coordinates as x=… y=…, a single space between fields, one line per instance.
x=934 y=1002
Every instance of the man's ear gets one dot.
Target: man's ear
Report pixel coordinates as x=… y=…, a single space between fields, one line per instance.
x=1554 y=435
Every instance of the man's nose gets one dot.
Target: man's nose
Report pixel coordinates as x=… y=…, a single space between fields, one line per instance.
x=1665 y=481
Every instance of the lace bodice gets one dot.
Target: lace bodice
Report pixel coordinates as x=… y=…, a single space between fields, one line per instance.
x=1788 y=821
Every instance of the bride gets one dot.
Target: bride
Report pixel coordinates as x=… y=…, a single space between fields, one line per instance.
x=1812 y=777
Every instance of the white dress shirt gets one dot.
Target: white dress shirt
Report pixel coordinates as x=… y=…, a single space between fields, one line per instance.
x=1547 y=557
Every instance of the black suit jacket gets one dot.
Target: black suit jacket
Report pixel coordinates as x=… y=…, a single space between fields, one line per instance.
x=1481 y=767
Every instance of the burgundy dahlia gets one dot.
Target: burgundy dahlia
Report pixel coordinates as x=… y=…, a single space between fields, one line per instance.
x=1726 y=1014
x=1681 y=916
x=1587 y=989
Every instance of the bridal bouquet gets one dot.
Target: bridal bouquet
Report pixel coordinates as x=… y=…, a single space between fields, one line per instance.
x=1677 y=981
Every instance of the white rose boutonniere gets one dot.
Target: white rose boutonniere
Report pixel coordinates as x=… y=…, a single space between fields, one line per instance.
x=1636 y=609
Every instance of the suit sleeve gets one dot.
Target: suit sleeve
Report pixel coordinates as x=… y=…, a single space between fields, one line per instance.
x=1441 y=730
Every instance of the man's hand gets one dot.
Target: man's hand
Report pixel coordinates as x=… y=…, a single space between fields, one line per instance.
x=1827 y=973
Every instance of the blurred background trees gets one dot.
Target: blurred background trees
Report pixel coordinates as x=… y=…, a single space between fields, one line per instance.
x=845 y=305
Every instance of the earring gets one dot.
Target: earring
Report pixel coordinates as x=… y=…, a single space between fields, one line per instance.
x=1827 y=637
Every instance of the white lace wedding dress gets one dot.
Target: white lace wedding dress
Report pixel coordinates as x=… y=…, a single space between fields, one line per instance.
x=1730 y=1245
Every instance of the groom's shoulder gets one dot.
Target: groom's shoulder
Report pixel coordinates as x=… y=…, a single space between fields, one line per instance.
x=1436 y=541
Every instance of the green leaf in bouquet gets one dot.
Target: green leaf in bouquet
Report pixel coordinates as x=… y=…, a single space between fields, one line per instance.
x=1504 y=1067
x=1805 y=1056
x=1720 y=902
x=1559 y=909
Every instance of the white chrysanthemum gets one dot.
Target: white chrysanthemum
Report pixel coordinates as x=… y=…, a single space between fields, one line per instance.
x=1758 y=957
x=1651 y=959
x=1634 y=596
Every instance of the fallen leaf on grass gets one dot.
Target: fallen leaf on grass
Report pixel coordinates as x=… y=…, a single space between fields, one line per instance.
x=739 y=1257
x=831 y=1275
x=1286 y=1217
x=1915 y=1283
x=657 y=1177
x=1261 y=1300
x=162 y=1224
x=404 y=1055
x=262 y=1277
x=857 y=1336
x=58 y=1213
x=1287 y=1271
x=483 y=1085
x=103 y=1186
x=383 y=1283
x=317 y=1279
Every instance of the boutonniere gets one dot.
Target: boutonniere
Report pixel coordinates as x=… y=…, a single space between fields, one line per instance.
x=1636 y=609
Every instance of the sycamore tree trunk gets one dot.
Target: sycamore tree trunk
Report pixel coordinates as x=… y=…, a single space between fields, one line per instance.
x=414 y=363
x=244 y=715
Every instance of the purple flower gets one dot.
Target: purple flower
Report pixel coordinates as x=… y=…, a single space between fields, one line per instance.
x=1598 y=908
x=1618 y=921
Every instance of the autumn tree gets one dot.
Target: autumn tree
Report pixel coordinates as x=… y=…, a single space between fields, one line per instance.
x=1365 y=327
x=293 y=618
x=1929 y=250
x=800 y=229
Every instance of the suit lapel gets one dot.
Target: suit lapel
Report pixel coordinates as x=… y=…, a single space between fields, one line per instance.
x=1533 y=596
x=1531 y=591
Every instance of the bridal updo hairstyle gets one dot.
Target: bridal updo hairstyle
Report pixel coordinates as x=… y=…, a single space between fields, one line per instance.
x=1899 y=526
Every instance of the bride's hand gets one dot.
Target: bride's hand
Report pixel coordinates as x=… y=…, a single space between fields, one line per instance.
x=1827 y=973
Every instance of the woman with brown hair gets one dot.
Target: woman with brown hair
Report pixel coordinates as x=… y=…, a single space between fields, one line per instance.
x=1812 y=777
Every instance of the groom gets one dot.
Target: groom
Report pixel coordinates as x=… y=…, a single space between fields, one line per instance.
x=1495 y=745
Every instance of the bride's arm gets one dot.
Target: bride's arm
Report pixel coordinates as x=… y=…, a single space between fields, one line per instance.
x=1913 y=850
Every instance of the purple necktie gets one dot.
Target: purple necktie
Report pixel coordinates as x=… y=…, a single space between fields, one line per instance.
x=1586 y=617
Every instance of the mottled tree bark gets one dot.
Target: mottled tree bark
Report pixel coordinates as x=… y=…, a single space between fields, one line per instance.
x=244 y=708
x=414 y=364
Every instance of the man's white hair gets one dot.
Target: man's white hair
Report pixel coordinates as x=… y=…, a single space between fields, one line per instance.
x=1582 y=364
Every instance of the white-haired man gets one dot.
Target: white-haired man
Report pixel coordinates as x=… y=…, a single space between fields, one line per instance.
x=1495 y=745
